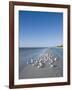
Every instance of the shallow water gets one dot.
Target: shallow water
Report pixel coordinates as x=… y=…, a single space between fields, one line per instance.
x=25 y=54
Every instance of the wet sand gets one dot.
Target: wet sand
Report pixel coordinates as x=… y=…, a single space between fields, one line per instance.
x=29 y=71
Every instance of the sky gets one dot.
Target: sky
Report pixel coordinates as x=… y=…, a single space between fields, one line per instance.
x=40 y=29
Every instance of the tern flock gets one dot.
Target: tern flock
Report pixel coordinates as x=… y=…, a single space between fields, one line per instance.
x=42 y=60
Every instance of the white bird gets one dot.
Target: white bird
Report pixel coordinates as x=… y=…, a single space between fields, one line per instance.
x=31 y=60
x=36 y=63
x=55 y=59
x=38 y=66
x=51 y=61
x=51 y=65
x=33 y=64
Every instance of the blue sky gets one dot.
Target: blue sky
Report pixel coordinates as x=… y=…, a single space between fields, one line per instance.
x=40 y=29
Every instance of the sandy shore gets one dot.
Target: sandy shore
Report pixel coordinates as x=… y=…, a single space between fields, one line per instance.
x=46 y=71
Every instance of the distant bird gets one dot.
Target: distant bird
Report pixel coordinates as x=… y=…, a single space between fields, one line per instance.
x=35 y=63
x=55 y=59
x=40 y=60
x=51 y=65
x=31 y=60
x=39 y=65
x=51 y=61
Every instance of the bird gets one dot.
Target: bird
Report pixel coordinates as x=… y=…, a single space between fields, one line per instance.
x=55 y=59
x=51 y=65
x=31 y=60
x=39 y=65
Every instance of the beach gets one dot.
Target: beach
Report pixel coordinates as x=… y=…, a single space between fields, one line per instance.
x=49 y=67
